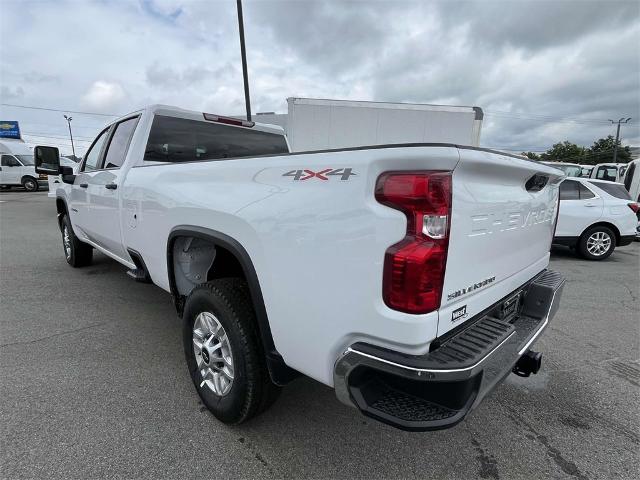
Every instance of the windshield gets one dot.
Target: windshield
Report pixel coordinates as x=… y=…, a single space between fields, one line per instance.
x=25 y=159
x=570 y=170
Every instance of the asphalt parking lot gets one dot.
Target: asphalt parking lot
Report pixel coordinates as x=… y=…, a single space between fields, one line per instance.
x=93 y=384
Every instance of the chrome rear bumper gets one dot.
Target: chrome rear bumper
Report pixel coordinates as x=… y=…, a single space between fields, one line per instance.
x=439 y=389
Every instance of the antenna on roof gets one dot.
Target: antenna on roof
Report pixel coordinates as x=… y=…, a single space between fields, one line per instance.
x=243 y=53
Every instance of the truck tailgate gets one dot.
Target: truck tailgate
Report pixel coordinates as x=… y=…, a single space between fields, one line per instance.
x=500 y=234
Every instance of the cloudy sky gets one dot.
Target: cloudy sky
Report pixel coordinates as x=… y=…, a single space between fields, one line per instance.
x=542 y=71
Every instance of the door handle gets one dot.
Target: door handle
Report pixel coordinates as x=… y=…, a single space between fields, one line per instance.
x=590 y=205
x=111 y=186
x=83 y=185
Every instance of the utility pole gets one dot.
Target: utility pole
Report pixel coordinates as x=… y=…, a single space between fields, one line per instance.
x=243 y=53
x=615 y=147
x=68 y=119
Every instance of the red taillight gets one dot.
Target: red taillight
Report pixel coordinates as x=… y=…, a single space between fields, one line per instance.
x=634 y=206
x=414 y=268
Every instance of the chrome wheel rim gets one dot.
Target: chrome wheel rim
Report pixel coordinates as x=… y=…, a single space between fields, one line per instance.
x=66 y=241
x=29 y=185
x=212 y=350
x=598 y=243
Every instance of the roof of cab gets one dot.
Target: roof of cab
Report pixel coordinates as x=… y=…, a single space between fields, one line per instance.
x=173 y=111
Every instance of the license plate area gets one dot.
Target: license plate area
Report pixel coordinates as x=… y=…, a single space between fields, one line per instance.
x=510 y=307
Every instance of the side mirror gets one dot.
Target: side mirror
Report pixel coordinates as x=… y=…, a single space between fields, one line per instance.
x=47 y=160
x=67 y=174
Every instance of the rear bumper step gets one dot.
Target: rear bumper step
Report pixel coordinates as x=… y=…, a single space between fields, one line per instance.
x=437 y=390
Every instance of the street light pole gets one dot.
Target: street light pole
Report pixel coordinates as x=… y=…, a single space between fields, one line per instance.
x=615 y=146
x=68 y=119
x=243 y=53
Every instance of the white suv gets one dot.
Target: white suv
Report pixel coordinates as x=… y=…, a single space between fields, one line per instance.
x=595 y=217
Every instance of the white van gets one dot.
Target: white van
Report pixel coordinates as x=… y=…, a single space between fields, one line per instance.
x=614 y=172
x=17 y=168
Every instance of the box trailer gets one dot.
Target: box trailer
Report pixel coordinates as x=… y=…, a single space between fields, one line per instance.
x=318 y=124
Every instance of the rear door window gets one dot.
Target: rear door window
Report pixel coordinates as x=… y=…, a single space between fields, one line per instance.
x=183 y=140
x=584 y=192
x=119 y=144
x=569 y=190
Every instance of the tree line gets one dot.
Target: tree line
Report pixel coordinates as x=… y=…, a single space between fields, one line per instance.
x=600 y=152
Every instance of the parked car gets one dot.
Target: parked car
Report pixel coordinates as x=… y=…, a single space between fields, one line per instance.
x=632 y=179
x=410 y=278
x=17 y=168
x=596 y=216
x=613 y=172
x=55 y=181
x=570 y=169
x=585 y=171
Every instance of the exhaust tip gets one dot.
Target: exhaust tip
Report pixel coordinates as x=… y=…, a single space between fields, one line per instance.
x=528 y=363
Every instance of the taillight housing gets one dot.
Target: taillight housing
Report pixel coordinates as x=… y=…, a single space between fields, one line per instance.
x=634 y=206
x=414 y=268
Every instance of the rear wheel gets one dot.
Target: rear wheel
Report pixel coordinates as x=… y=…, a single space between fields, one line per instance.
x=30 y=184
x=597 y=243
x=224 y=353
x=77 y=253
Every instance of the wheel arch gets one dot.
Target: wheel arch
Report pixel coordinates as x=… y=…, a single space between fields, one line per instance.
x=609 y=225
x=280 y=373
x=28 y=176
x=62 y=209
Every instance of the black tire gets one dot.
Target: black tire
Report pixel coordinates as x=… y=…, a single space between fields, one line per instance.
x=30 y=184
x=251 y=390
x=5 y=187
x=590 y=250
x=77 y=253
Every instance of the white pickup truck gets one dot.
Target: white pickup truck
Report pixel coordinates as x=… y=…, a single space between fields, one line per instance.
x=410 y=278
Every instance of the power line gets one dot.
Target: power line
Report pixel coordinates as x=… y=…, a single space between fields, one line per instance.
x=58 y=110
x=57 y=125
x=46 y=135
x=546 y=117
x=498 y=113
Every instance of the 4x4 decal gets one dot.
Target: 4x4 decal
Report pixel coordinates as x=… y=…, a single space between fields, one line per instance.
x=343 y=173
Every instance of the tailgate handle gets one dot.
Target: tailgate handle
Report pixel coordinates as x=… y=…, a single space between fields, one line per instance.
x=536 y=183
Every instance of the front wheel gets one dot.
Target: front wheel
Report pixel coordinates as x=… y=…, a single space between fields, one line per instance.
x=30 y=184
x=223 y=351
x=77 y=253
x=597 y=243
